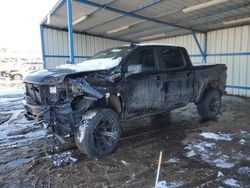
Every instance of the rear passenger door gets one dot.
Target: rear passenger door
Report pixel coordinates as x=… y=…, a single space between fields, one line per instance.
x=177 y=76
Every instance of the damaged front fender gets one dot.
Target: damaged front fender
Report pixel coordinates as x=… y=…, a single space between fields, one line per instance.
x=80 y=85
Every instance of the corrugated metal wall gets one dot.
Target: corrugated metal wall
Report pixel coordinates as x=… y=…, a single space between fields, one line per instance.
x=56 y=46
x=232 y=47
x=228 y=46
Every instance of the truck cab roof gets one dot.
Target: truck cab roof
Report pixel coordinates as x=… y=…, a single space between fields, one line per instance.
x=150 y=44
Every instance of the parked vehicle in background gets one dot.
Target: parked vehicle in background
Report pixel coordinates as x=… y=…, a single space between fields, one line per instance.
x=91 y=100
x=24 y=71
x=19 y=71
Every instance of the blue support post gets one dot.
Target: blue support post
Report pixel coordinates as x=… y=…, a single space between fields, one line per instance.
x=199 y=46
x=70 y=31
x=42 y=45
x=205 y=48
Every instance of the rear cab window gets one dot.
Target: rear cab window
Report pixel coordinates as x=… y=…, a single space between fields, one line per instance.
x=171 y=58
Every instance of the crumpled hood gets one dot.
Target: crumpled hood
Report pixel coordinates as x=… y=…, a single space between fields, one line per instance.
x=45 y=76
x=58 y=75
x=93 y=64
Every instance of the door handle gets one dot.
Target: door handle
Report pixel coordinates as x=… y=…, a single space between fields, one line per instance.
x=188 y=74
x=157 y=77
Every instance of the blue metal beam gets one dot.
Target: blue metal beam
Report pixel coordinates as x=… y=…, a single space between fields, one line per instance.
x=223 y=54
x=66 y=56
x=238 y=87
x=42 y=45
x=153 y=3
x=231 y=54
x=205 y=48
x=70 y=32
x=199 y=46
x=136 y=15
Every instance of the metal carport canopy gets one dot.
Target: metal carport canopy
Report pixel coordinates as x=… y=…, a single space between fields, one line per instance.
x=142 y=20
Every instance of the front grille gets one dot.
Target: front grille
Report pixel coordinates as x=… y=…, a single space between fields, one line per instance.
x=29 y=100
x=36 y=93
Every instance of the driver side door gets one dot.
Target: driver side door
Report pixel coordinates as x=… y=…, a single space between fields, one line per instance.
x=142 y=85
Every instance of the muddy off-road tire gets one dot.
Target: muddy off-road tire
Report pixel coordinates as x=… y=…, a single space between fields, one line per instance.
x=210 y=104
x=98 y=133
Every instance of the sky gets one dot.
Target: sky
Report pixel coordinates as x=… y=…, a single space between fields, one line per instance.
x=19 y=23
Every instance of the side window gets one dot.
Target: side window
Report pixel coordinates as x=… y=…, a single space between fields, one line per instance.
x=171 y=58
x=143 y=60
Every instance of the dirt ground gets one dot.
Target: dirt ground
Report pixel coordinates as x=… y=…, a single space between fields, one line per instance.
x=196 y=153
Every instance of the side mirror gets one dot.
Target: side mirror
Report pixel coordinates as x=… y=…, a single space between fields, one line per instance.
x=133 y=69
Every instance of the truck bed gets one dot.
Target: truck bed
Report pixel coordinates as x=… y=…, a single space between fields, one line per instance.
x=204 y=74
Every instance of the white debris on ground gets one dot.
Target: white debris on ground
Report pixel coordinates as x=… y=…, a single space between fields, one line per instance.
x=242 y=141
x=244 y=171
x=132 y=178
x=219 y=136
x=220 y=174
x=173 y=160
x=221 y=162
x=173 y=184
x=21 y=131
x=124 y=163
x=244 y=133
x=232 y=182
x=199 y=148
x=210 y=147
x=190 y=153
x=206 y=151
x=64 y=158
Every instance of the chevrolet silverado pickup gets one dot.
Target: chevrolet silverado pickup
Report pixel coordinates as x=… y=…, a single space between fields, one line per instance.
x=92 y=99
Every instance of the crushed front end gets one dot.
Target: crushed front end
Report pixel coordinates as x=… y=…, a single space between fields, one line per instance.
x=59 y=107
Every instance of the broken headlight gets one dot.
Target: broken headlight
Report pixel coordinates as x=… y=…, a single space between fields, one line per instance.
x=76 y=86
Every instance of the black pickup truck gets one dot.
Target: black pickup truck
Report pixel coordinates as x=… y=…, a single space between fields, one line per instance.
x=91 y=100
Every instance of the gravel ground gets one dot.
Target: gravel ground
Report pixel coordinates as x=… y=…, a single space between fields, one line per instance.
x=196 y=153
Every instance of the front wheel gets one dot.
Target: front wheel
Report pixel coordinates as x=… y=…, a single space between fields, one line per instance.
x=98 y=133
x=210 y=104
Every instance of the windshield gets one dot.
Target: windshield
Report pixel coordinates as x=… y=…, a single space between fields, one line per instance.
x=101 y=61
x=112 y=53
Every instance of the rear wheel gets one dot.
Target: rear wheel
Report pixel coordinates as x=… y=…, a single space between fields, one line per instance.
x=98 y=133
x=210 y=104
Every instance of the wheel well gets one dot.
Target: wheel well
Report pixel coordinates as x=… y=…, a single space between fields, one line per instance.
x=215 y=84
x=212 y=84
x=114 y=102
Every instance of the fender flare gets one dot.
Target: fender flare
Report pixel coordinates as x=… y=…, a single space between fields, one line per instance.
x=211 y=82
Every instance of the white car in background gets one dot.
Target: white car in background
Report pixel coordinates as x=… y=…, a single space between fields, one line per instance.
x=19 y=71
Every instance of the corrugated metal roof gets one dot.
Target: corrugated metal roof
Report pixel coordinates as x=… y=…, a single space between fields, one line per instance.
x=135 y=20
